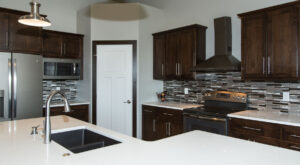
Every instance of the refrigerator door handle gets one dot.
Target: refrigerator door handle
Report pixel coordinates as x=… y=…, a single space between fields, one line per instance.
x=15 y=88
x=9 y=89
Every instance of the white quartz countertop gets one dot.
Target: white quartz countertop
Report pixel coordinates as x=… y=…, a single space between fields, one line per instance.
x=18 y=147
x=269 y=116
x=72 y=103
x=173 y=105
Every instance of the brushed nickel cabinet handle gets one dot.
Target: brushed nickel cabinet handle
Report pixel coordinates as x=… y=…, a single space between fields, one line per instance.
x=179 y=69
x=264 y=67
x=168 y=114
x=295 y=147
x=295 y=136
x=6 y=39
x=154 y=125
x=162 y=69
x=253 y=129
x=145 y=110
x=176 y=69
x=169 y=128
x=269 y=65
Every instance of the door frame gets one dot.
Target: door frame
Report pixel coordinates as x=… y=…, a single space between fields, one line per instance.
x=134 y=78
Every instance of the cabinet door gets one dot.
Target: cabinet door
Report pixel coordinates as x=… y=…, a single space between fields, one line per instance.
x=254 y=47
x=187 y=53
x=149 y=124
x=171 y=55
x=25 y=39
x=4 y=40
x=80 y=112
x=52 y=45
x=170 y=123
x=72 y=46
x=159 y=54
x=282 y=59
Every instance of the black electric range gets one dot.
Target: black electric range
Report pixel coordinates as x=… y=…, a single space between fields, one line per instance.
x=212 y=117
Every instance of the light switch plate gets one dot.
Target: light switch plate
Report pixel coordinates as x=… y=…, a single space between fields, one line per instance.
x=186 y=91
x=286 y=96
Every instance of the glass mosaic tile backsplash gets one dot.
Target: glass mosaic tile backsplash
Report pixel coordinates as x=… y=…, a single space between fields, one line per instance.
x=262 y=95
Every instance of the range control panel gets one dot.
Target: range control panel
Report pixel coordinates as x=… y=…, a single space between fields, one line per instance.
x=226 y=96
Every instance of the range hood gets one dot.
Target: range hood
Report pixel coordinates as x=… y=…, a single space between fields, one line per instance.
x=223 y=61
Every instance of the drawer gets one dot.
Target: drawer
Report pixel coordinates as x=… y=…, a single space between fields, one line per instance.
x=256 y=128
x=289 y=145
x=259 y=139
x=291 y=134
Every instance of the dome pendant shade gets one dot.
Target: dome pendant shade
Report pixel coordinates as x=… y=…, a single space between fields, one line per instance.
x=34 y=18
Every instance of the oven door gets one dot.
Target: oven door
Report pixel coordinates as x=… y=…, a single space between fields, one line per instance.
x=205 y=123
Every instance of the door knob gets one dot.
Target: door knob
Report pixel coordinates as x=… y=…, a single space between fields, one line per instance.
x=127 y=102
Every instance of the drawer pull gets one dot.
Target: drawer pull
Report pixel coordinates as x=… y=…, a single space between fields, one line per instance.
x=253 y=129
x=295 y=147
x=154 y=126
x=168 y=114
x=147 y=111
x=295 y=136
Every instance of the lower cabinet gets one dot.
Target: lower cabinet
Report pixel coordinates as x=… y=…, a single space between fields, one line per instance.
x=158 y=123
x=266 y=133
x=80 y=112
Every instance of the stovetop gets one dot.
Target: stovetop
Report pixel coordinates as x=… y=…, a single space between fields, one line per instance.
x=211 y=111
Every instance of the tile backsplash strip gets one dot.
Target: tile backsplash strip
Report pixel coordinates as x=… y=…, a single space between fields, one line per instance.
x=68 y=87
x=262 y=95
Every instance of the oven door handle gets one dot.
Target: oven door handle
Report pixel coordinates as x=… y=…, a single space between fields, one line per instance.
x=207 y=118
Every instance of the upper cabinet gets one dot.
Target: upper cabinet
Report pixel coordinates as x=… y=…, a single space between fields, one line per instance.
x=270 y=43
x=177 y=51
x=16 y=37
x=62 y=45
x=4 y=33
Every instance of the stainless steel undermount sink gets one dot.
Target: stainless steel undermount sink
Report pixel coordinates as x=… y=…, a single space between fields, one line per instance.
x=82 y=140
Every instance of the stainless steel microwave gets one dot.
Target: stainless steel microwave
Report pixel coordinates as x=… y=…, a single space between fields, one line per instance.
x=61 y=69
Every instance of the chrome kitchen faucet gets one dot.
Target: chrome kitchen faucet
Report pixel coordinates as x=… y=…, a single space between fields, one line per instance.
x=47 y=124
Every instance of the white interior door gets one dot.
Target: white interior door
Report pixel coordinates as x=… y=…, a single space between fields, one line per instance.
x=114 y=87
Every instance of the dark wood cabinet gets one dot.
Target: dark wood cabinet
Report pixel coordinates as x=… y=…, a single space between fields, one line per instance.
x=266 y=133
x=253 y=47
x=4 y=32
x=282 y=41
x=171 y=55
x=270 y=41
x=24 y=39
x=52 y=44
x=16 y=37
x=159 y=123
x=80 y=112
x=177 y=51
x=159 y=56
x=62 y=45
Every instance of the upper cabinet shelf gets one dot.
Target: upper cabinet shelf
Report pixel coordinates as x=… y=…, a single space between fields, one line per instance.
x=270 y=41
x=62 y=45
x=176 y=51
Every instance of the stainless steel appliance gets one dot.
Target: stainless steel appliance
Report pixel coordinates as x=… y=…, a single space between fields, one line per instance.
x=22 y=86
x=61 y=69
x=212 y=117
x=223 y=60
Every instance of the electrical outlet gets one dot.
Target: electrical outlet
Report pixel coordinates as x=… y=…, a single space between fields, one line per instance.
x=286 y=96
x=58 y=88
x=186 y=91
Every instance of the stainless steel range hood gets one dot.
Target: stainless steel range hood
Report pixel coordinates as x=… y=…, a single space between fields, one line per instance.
x=223 y=61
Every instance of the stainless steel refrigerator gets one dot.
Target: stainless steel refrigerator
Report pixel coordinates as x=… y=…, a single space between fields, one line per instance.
x=21 y=86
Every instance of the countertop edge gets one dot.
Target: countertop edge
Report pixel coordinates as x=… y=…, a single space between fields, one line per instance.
x=264 y=120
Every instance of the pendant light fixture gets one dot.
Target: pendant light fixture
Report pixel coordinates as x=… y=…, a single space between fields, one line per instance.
x=34 y=18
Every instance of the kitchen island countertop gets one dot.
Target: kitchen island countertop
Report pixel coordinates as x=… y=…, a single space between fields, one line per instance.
x=18 y=147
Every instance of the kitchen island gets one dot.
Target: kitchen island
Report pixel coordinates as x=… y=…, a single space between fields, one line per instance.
x=18 y=147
